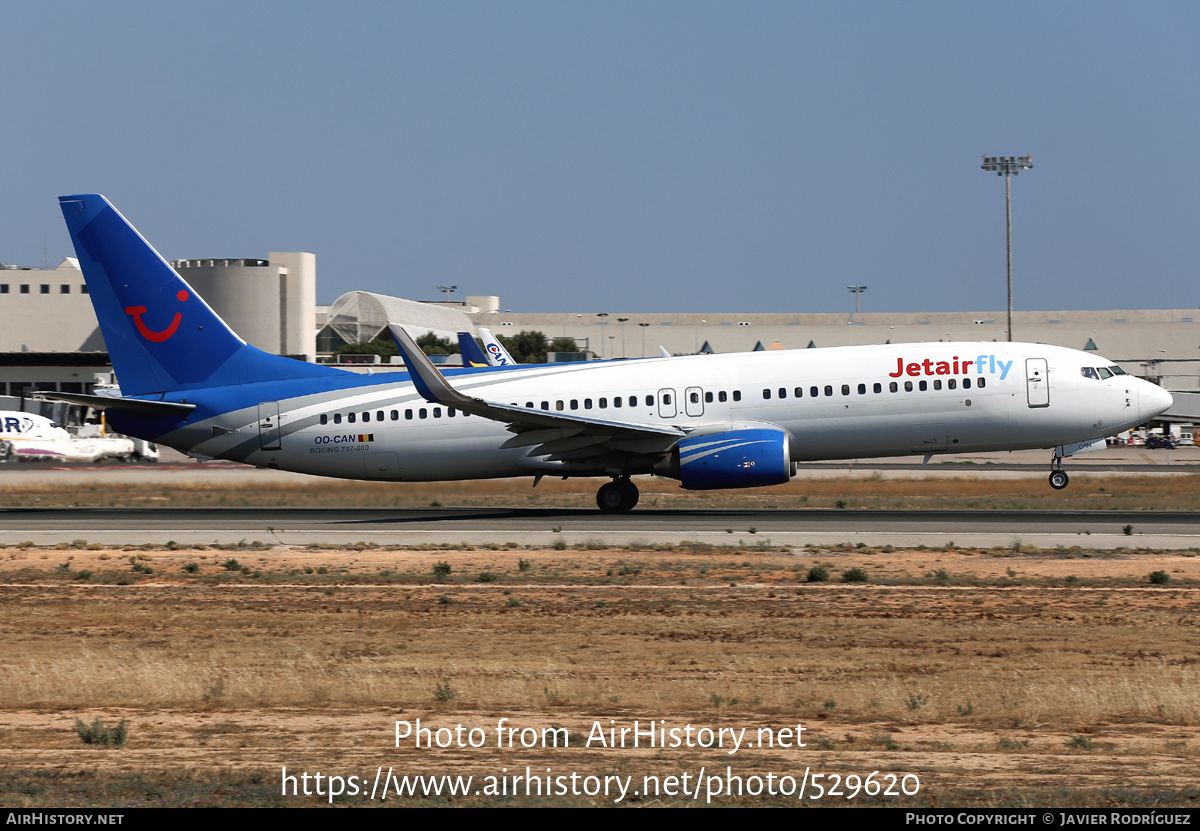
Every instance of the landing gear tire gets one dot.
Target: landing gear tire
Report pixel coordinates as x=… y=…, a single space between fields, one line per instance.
x=1059 y=479
x=617 y=497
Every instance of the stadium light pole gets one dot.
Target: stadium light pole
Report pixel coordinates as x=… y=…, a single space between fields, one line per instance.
x=447 y=289
x=857 y=292
x=1008 y=166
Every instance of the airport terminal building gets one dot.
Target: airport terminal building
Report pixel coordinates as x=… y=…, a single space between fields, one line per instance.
x=51 y=340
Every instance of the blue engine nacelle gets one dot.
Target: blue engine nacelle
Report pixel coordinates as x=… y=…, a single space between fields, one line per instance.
x=747 y=458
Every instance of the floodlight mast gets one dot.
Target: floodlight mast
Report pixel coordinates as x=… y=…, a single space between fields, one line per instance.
x=1007 y=166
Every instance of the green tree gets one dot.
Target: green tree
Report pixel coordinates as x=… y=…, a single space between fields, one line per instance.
x=431 y=344
x=379 y=346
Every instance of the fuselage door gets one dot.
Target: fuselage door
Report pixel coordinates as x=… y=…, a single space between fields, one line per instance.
x=269 y=425
x=693 y=402
x=1037 y=382
x=666 y=404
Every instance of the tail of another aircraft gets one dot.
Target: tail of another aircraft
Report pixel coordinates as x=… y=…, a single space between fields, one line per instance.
x=160 y=334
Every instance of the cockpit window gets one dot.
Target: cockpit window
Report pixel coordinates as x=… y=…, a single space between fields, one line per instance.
x=1089 y=372
x=1116 y=370
x=1105 y=372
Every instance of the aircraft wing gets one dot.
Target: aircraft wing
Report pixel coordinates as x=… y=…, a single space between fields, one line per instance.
x=557 y=436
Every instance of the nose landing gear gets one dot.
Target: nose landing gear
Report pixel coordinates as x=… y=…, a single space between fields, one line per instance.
x=617 y=497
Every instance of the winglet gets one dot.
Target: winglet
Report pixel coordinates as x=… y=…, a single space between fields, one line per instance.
x=425 y=376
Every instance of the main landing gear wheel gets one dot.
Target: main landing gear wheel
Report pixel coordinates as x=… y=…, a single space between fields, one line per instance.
x=617 y=497
x=1059 y=479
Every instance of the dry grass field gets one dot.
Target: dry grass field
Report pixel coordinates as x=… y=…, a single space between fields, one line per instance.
x=1008 y=677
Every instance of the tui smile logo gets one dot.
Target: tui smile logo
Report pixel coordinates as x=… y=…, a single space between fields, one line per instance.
x=136 y=313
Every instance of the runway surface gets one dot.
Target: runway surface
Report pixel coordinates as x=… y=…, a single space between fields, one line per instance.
x=539 y=526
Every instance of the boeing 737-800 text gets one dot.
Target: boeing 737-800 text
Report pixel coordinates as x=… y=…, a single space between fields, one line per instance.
x=710 y=421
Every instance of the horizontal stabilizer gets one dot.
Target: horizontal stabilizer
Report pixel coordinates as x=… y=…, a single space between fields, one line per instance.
x=135 y=407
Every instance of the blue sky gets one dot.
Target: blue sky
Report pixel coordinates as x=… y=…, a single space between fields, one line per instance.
x=627 y=157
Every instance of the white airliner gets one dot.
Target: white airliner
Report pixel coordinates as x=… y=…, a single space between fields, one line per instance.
x=31 y=437
x=710 y=421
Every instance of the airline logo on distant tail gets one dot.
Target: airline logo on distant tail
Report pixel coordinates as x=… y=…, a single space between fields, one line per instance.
x=136 y=313
x=497 y=354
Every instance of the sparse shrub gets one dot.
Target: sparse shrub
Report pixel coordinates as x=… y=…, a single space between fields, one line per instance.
x=1158 y=578
x=1128 y=530
x=966 y=709
x=513 y=603
x=916 y=701
x=486 y=577
x=191 y=568
x=523 y=565
x=841 y=503
x=854 y=575
x=231 y=565
x=1081 y=743
x=442 y=692
x=443 y=600
x=98 y=733
x=818 y=574
x=941 y=576
x=441 y=570
x=560 y=544
x=1005 y=743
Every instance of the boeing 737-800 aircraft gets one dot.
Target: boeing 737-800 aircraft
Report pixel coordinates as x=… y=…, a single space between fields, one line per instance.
x=710 y=421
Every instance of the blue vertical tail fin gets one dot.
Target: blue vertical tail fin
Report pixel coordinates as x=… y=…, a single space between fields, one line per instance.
x=472 y=355
x=160 y=334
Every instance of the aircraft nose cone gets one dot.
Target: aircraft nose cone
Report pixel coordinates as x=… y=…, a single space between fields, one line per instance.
x=1153 y=401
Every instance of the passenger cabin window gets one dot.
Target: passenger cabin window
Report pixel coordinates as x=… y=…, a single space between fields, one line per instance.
x=766 y=393
x=324 y=418
x=737 y=395
x=337 y=418
x=722 y=396
x=982 y=383
x=966 y=383
x=845 y=389
x=351 y=417
x=878 y=387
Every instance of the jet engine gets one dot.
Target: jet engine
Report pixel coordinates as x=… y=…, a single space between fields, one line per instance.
x=740 y=458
